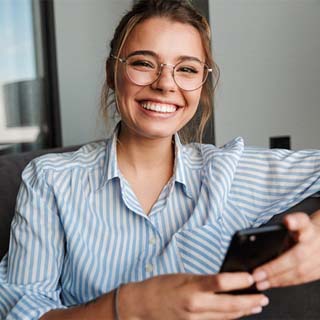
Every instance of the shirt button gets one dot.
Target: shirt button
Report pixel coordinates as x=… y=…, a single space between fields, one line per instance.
x=152 y=241
x=149 y=267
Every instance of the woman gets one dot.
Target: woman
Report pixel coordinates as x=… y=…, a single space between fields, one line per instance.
x=147 y=212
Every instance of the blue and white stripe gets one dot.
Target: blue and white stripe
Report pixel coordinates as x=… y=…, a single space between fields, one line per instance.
x=79 y=230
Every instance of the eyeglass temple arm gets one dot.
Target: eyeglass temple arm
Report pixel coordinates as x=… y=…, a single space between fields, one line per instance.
x=117 y=58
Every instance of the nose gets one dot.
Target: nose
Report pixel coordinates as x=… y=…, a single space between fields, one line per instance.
x=165 y=80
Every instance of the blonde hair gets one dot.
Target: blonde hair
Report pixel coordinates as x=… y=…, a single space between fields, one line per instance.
x=178 y=11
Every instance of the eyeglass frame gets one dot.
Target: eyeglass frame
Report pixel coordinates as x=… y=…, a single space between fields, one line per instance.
x=160 y=66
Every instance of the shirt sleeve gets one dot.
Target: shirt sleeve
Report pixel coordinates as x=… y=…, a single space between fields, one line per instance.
x=270 y=181
x=30 y=272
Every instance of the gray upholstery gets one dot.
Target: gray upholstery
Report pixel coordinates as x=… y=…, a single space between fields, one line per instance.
x=300 y=302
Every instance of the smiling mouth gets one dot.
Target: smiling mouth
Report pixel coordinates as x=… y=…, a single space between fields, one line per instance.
x=159 y=107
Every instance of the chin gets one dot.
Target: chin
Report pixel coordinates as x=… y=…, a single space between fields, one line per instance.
x=158 y=133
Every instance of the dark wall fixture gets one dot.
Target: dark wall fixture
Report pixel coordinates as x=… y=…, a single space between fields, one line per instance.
x=280 y=142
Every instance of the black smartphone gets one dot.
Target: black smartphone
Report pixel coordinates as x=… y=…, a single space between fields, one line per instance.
x=252 y=247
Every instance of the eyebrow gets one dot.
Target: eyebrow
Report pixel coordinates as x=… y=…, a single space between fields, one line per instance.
x=153 y=54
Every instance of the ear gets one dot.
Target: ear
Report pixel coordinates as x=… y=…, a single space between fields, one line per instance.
x=110 y=74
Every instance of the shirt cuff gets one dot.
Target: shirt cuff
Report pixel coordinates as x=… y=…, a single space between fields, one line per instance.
x=32 y=307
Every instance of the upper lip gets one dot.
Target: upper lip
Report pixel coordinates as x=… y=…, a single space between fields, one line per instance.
x=161 y=101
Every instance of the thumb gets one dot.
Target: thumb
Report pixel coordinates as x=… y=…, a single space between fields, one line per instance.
x=300 y=224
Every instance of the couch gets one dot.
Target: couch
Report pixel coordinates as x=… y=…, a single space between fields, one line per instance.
x=298 y=302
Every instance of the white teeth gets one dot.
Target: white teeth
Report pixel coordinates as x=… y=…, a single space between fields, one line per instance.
x=159 y=107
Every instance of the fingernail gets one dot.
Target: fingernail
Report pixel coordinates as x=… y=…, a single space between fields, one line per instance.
x=260 y=275
x=264 y=285
x=250 y=280
x=292 y=222
x=264 y=301
x=256 y=310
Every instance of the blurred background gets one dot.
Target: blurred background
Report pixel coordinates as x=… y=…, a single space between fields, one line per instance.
x=52 y=56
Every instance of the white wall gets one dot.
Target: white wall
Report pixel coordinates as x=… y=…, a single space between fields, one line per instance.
x=269 y=55
x=83 y=31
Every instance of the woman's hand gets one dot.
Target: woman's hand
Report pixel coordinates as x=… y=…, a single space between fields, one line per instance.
x=186 y=296
x=301 y=263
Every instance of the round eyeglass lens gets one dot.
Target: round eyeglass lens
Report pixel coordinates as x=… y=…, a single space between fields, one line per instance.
x=190 y=74
x=142 y=70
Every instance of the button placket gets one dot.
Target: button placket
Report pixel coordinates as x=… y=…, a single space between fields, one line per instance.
x=152 y=240
x=149 y=267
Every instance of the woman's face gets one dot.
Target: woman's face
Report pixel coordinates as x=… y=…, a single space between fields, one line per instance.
x=160 y=109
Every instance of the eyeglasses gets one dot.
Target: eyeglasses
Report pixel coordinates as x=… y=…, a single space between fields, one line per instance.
x=189 y=74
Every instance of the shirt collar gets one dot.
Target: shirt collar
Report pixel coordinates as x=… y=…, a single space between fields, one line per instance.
x=110 y=170
x=180 y=169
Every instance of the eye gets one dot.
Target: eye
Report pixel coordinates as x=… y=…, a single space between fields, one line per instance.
x=187 y=69
x=141 y=64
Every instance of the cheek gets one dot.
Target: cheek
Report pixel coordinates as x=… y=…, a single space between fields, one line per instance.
x=121 y=81
x=126 y=93
x=123 y=89
x=193 y=99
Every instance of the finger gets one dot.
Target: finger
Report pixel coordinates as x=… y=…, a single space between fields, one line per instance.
x=285 y=262
x=293 y=267
x=238 y=303
x=224 y=304
x=214 y=316
x=303 y=273
x=315 y=217
x=289 y=260
x=210 y=302
x=301 y=225
x=223 y=282
x=225 y=315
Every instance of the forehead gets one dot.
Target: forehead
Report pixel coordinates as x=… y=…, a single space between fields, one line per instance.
x=168 y=39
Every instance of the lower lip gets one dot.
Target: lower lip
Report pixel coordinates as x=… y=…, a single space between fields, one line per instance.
x=155 y=114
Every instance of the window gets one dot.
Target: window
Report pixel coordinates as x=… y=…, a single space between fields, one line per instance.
x=29 y=117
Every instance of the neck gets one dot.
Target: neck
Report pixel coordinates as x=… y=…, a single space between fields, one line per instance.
x=144 y=154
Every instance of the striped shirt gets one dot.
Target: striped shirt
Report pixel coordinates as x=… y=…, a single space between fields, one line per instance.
x=79 y=230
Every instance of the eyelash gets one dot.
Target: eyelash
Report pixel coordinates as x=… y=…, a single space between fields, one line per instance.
x=142 y=63
x=188 y=70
